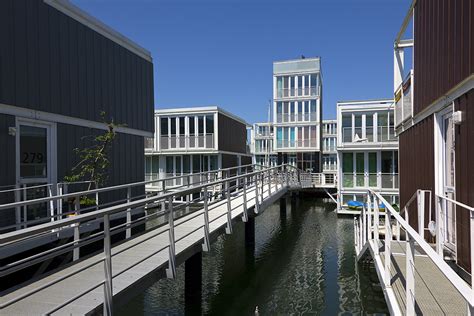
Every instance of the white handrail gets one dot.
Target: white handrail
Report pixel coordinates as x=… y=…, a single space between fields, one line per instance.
x=463 y=288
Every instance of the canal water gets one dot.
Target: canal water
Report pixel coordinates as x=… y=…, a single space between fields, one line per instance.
x=302 y=263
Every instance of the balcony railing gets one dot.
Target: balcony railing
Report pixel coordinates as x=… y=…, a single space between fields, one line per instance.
x=372 y=180
x=296 y=117
x=384 y=134
x=404 y=100
x=187 y=142
x=297 y=92
x=307 y=143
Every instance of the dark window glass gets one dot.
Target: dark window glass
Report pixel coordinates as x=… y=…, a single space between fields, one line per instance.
x=387 y=162
x=196 y=163
x=201 y=125
x=210 y=124
x=164 y=126
x=191 y=126
x=173 y=126
x=348 y=163
x=181 y=126
x=186 y=164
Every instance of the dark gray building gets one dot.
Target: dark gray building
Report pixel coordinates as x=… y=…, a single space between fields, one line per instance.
x=59 y=68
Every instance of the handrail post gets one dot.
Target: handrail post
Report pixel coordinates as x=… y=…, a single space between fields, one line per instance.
x=25 y=207
x=59 y=190
x=206 y=246
x=51 y=202
x=407 y=219
x=263 y=185
x=370 y=215
x=421 y=212
x=388 y=248
x=245 y=215
x=77 y=235
x=108 y=289
x=410 y=277
x=439 y=223
x=257 y=206
x=228 y=229
x=376 y=219
x=269 y=183
x=364 y=226
x=171 y=271
x=287 y=176
x=128 y=232
x=188 y=198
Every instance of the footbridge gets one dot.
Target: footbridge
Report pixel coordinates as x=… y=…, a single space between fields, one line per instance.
x=108 y=260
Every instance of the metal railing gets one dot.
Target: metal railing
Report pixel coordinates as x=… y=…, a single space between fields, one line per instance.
x=260 y=181
x=286 y=143
x=314 y=180
x=371 y=180
x=187 y=142
x=297 y=92
x=66 y=203
x=354 y=135
x=296 y=117
x=366 y=231
x=404 y=100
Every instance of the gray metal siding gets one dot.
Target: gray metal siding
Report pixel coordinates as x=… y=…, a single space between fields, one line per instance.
x=53 y=63
x=7 y=166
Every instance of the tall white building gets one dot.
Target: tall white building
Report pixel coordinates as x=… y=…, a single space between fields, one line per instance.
x=297 y=112
x=367 y=150
x=262 y=144
x=329 y=146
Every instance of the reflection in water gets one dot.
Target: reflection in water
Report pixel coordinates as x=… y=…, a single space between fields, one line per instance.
x=302 y=264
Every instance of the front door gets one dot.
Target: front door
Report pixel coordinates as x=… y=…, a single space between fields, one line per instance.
x=34 y=160
x=449 y=186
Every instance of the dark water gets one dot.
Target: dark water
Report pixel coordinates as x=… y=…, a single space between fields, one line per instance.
x=301 y=264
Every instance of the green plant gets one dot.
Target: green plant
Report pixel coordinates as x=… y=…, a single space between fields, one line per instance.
x=94 y=160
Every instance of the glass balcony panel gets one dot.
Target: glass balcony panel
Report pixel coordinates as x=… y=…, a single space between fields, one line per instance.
x=372 y=180
x=347 y=134
x=348 y=180
x=360 y=180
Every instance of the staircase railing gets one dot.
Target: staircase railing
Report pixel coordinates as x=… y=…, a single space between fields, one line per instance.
x=366 y=234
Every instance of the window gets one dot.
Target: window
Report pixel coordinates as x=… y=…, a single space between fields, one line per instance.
x=347 y=128
x=169 y=165
x=348 y=169
x=182 y=127
x=164 y=126
x=173 y=126
x=358 y=127
x=191 y=126
x=186 y=164
x=360 y=177
x=369 y=127
x=372 y=169
x=209 y=124
x=201 y=125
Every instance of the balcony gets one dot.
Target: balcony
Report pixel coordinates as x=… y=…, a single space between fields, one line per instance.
x=372 y=180
x=187 y=142
x=307 y=143
x=354 y=135
x=293 y=117
x=404 y=100
x=298 y=92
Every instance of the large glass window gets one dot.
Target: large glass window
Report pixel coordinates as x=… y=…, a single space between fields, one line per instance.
x=347 y=128
x=210 y=124
x=360 y=177
x=348 y=169
x=358 y=126
x=169 y=165
x=173 y=126
x=164 y=126
x=369 y=127
x=192 y=126
x=372 y=169
x=382 y=130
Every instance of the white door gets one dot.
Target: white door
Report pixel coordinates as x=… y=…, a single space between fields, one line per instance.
x=35 y=166
x=449 y=184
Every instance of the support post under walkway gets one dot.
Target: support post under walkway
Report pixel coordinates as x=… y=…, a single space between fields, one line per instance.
x=193 y=284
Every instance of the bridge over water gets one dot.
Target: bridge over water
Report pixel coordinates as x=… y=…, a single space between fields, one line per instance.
x=180 y=222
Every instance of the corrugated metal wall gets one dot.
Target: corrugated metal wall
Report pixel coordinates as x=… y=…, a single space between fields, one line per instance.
x=416 y=164
x=51 y=62
x=444 y=52
x=464 y=175
x=232 y=135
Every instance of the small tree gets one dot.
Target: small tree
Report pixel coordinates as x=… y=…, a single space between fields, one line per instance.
x=94 y=160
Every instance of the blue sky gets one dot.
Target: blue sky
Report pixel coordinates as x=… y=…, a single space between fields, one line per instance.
x=220 y=52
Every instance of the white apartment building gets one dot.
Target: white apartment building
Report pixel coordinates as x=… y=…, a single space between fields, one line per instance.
x=297 y=111
x=194 y=140
x=329 y=144
x=367 y=150
x=262 y=144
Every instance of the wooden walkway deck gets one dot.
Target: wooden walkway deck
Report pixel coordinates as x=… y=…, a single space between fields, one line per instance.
x=434 y=293
x=49 y=298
